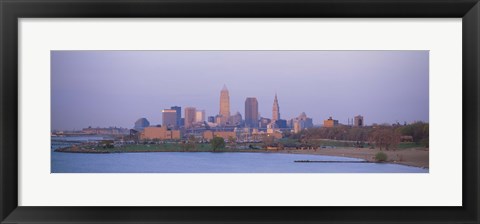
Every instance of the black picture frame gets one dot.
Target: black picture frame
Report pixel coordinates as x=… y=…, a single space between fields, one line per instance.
x=12 y=10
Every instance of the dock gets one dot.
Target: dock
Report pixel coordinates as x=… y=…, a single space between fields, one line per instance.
x=331 y=161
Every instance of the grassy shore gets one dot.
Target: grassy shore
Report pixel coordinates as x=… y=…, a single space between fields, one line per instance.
x=164 y=147
x=418 y=157
x=412 y=156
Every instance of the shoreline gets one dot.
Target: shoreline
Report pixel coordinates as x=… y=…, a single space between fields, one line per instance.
x=422 y=160
x=415 y=157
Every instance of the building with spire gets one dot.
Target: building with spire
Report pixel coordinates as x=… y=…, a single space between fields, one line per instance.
x=275 y=110
x=276 y=121
x=224 y=105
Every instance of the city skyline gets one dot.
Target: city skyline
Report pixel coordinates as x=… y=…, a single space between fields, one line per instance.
x=340 y=93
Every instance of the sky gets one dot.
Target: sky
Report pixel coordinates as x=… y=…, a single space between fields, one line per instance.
x=115 y=88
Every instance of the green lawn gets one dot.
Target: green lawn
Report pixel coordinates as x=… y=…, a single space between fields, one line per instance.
x=339 y=143
x=318 y=142
x=164 y=147
x=205 y=147
x=406 y=145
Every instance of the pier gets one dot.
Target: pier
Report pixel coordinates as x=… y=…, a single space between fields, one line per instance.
x=331 y=161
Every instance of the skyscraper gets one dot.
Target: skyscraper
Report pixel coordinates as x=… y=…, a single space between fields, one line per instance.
x=179 y=114
x=190 y=114
x=251 y=112
x=169 y=118
x=275 y=110
x=200 y=116
x=224 y=105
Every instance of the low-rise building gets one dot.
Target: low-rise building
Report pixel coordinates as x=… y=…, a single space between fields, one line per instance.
x=275 y=135
x=264 y=122
x=106 y=131
x=208 y=135
x=329 y=123
x=358 y=122
x=161 y=133
x=141 y=123
x=301 y=122
x=211 y=119
x=236 y=119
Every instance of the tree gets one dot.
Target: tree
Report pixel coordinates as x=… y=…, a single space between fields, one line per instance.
x=192 y=142
x=189 y=144
x=381 y=157
x=337 y=133
x=232 y=140
x=268 y=140
x=418 y=131
x=217 y=143
x=385 y=137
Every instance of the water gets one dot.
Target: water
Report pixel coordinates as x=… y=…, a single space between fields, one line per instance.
x=207 y=162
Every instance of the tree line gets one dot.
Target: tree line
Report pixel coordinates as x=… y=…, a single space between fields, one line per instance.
x=382 y=136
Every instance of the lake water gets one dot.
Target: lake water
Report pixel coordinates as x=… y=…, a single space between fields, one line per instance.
x=206 y=162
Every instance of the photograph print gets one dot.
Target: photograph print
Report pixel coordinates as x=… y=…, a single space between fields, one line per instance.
x=239 y=111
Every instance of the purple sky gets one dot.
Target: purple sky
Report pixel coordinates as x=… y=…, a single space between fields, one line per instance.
x=115 y=88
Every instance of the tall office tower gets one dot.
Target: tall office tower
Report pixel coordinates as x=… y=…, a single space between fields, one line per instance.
x=190 y=114
x=169 y=118
x=200 y=116
x=224 y=105
x=251 y=112
x=358 y=121
x=179 y=114
x=275 y=110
